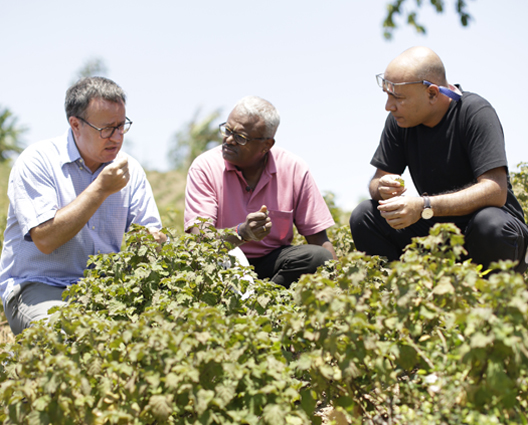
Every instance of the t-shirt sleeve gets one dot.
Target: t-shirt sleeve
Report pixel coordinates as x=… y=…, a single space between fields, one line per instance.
x=390 y=154
x=143 y=209
x=311 y=214
x=32 y=192
x=200 y=197
x=484 y=138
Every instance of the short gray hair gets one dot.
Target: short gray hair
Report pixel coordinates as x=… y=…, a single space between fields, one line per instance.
x=79 y=95
x=255 y=106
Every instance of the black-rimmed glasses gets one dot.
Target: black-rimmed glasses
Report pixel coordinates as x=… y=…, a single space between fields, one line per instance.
x=107 y=132
x=237 y=137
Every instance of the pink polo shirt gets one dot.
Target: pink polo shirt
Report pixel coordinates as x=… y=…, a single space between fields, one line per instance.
x=216 y=190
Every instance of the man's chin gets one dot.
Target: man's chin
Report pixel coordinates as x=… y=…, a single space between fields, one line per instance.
x=401 y=122
x=404 y=124
x=111 y=156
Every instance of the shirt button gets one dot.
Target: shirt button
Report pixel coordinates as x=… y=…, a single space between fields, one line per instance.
x=93 y=227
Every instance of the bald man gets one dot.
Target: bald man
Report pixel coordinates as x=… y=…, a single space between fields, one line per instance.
x=453 y=143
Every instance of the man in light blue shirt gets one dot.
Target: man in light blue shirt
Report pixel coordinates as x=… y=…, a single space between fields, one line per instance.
x=71 y=197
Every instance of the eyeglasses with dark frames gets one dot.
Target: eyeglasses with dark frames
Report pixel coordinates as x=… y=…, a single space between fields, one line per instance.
x=107 y=132
x=388 y=86
x=237 y=137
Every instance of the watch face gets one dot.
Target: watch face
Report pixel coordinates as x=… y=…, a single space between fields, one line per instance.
x=427 y=213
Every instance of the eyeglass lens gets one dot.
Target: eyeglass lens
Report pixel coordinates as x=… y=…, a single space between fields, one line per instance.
x=384 y=84
x=107 y=132
x=225 y=131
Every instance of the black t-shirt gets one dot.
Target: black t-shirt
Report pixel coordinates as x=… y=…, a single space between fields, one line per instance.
x=466 y=143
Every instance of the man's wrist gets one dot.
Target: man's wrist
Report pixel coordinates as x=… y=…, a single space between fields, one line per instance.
x=427 y=210
x=239 y=234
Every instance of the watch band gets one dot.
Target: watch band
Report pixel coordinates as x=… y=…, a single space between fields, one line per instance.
x=427 y=211
x=427 y=202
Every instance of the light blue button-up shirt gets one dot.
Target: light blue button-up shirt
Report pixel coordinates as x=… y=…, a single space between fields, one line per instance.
x=46 y=177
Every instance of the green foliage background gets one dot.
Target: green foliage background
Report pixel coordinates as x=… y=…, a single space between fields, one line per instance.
x=402 y=8
x=5 y=168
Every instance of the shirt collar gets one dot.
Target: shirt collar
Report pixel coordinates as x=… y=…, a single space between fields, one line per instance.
x=271 y=167
x=71 y=153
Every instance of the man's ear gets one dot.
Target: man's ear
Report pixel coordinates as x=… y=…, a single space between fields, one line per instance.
x=433 y=92
x=269 y=143
x=75 y=124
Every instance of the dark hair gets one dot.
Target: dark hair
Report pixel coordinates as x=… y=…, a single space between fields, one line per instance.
x=79 y=95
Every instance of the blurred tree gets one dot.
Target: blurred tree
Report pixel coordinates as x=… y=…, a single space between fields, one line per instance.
x=195 y=138
x=395 y=7
x=10 y=133
x=91 y=68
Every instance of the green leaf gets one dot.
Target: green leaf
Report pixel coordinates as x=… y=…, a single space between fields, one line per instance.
x=479 y=340
x=444 y=286
x=203 y=398
x=273 y=414
x=161 y=406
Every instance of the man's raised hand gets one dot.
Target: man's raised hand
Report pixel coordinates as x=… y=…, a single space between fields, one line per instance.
x=391 y=185
x=401 y=212
x=257 y=225
x=114 y=176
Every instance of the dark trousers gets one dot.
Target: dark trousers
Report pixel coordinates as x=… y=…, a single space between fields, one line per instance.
x=287 y=263
x=491 y=234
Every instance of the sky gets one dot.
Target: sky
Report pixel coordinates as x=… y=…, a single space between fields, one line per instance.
x=316 y=61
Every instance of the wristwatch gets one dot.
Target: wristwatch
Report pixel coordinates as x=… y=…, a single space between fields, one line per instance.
x=427 y=211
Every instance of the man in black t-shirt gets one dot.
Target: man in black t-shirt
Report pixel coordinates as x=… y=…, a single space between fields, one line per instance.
x=453 y=144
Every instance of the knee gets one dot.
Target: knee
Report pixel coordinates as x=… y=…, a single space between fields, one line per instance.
x=488 y=225
x=323 y=255
x=361 y=214
x=493 y=234
x=317 y=256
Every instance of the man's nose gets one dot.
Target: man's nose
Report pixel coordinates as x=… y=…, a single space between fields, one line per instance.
x=230 y=139
x=390 y=104
x=117 y=136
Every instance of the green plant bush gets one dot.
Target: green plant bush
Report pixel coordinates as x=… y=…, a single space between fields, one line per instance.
x=519 y=181
x=170 y=335
x=162 y=337
x=152 y=337
x=426 y=340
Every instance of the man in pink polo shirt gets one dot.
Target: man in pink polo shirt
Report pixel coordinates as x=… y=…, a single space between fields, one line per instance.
x=260 y=191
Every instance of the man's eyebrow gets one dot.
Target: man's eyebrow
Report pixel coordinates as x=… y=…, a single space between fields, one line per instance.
x=112 y=124
x=395 y=95
x=235 y=131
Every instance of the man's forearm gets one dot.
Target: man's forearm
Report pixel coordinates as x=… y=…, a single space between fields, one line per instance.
x=464 y=202
x=373 y=189
x=68 y=221
x=490 y=191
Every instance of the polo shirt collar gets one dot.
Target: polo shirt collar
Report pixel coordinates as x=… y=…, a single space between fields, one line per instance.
x=271 y=166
